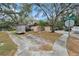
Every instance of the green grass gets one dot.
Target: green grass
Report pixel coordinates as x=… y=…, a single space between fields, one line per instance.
x=9 y=48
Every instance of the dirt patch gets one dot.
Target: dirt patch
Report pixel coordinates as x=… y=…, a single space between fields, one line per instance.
x=73 y=46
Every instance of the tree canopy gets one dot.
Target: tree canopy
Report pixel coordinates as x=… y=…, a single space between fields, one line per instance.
x=19 y=13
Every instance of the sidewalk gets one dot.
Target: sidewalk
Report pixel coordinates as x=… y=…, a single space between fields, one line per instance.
x=60 y=46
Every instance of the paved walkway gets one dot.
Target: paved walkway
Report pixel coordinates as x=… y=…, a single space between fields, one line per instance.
x=60 y=46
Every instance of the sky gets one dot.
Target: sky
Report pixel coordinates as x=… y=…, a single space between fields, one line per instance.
x=34 y=12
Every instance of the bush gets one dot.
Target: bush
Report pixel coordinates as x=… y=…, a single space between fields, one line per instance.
x=6 y=25
x=42 y=24
x=60 y=25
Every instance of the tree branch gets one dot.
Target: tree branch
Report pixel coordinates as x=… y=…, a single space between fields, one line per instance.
x=43 y=10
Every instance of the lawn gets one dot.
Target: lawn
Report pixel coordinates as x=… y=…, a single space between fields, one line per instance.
x=46 y=35
x=7 y=47
x=73 y=46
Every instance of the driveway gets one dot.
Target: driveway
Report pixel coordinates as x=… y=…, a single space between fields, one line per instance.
x=23 y=44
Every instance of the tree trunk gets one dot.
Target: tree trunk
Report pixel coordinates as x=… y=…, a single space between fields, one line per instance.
x=53 y=30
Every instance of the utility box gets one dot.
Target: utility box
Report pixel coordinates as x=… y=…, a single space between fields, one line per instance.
x=20 y=28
